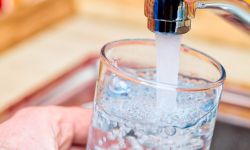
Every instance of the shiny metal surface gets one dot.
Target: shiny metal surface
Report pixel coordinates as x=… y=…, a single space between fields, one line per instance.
x=234 y=11
x=174 y=16
x=171 y=16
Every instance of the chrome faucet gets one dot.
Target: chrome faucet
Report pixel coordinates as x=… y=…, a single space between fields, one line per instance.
x=174 y=16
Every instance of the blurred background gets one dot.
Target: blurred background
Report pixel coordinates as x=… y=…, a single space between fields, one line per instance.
x=49 y=48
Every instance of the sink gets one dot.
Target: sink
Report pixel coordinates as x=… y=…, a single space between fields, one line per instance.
x=230 y=137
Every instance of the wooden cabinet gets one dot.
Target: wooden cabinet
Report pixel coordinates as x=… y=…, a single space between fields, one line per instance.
x=27 y=20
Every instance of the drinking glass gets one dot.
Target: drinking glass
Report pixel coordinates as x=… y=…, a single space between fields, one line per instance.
x=127 y=113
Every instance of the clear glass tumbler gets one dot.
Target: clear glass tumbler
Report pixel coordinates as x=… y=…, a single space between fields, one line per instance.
x=128 y=114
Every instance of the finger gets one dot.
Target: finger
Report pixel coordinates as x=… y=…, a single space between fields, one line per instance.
x=80 y=119
x=65 y=136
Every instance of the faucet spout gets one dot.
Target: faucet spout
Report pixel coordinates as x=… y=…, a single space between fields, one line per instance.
x=169 y=16
x=174 y=16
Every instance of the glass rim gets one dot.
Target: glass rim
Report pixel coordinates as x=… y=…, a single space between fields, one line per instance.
x=155 y=84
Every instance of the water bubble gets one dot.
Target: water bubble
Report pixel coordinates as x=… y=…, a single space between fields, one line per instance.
x=170 y=131
x=118 y=86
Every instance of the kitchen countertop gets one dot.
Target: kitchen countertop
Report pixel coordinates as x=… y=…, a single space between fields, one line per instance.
x=42 y=58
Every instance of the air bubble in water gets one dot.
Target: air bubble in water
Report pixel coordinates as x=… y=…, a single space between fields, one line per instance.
x=118 y=87
x=170 y=131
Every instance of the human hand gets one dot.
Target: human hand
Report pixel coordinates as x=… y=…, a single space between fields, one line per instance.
x=46 y=128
